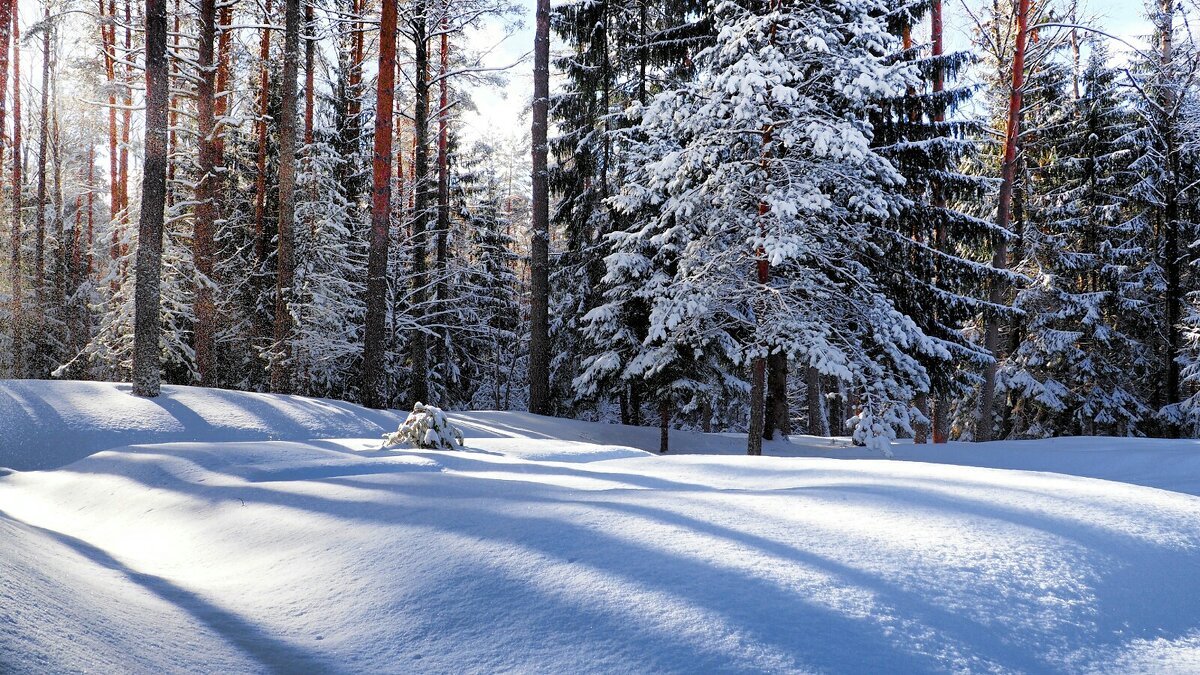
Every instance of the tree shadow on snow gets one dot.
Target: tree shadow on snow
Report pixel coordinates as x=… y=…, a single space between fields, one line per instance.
x=272 y=653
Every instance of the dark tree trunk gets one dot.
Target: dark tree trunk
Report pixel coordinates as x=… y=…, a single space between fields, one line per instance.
x=6 y=13
x=147 y=325
x=664 y=425
x=373 y=393
x=941 y=417
x=418 y=342
x=818 y=418
x=204 y=225
x=758 y=368
x=443 y=194
x=539 y=263
x=17 y=225
x=778 y=415
x=310 y=41
x=281 y=371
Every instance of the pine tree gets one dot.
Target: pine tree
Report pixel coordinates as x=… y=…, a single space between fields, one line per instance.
x=1079 y=365
x=764 y=160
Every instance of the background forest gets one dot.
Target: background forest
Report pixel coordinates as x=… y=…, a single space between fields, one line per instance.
x=774 y=217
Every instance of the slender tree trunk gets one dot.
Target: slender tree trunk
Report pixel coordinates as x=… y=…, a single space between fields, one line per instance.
x=17 y=184
x=310 y=41
x=664 y=425
x=418 y=343
x=758 y=368
x=539 y=270
x=204 y=232
x=109 y=40
x=147 y=325
x=991 y=339
x=280 y=365
x=941 y=406
x=443 y=194
x=91 y=205
x=6 y=12
x=818 y=416
x=1174 y=257
x=126 y=118
x=39 y=247
x=260 y=178
x=373 y=393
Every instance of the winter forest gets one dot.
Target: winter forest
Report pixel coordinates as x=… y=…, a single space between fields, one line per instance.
x=765 y=217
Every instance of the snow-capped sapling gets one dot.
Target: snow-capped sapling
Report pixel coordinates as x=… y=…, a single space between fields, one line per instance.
x=426 y=427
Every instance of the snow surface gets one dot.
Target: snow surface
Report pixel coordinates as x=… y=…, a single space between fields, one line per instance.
x=218 y=531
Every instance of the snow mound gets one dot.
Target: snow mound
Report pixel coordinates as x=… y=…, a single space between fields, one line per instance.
x=426 y=427
x=49 y=424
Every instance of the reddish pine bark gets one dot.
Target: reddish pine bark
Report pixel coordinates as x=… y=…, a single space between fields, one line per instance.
x=260 y=181
x=941 y=406
x=373 y=394
x=991 y=338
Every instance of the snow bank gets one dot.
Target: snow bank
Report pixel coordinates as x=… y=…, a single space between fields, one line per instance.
x=49 y=424
x=526 y=552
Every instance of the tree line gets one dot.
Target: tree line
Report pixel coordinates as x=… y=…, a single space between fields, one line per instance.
x=758 y=215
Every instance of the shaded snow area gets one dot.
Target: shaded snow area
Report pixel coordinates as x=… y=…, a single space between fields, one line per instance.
x=216 y=531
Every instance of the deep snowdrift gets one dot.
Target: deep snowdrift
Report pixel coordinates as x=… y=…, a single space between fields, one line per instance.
x=561 y=546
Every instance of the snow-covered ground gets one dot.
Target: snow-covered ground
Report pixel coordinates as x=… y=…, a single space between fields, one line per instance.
x=217 y=531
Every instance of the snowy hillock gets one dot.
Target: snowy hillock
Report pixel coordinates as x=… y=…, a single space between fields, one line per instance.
x=559 y=546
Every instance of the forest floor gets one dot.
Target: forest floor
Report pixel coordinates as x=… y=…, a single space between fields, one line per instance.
x=219 y=531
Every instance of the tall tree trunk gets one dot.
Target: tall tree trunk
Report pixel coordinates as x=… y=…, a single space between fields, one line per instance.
x=539 y=269
x=91 y=204
x=260 y=178
x=6 y=12
x=39 y=246
x=418 y=343
x=310 y=42
x=109 y=39
x=443 y=194
x=147 y=325
x=126 y=117
x=204 y=225
x=758 y=368
x=373 y=393
x=941 y=405
x=991 y=338
x=1174 y=257
x=280 y=365
x=17 y=184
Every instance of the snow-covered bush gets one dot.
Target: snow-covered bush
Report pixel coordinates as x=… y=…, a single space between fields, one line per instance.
x=426 y=427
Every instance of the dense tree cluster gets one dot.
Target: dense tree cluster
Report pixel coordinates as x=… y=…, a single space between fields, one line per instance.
x=757 y=215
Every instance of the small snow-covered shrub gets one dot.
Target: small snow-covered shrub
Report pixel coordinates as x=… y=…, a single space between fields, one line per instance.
x=426 y=427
